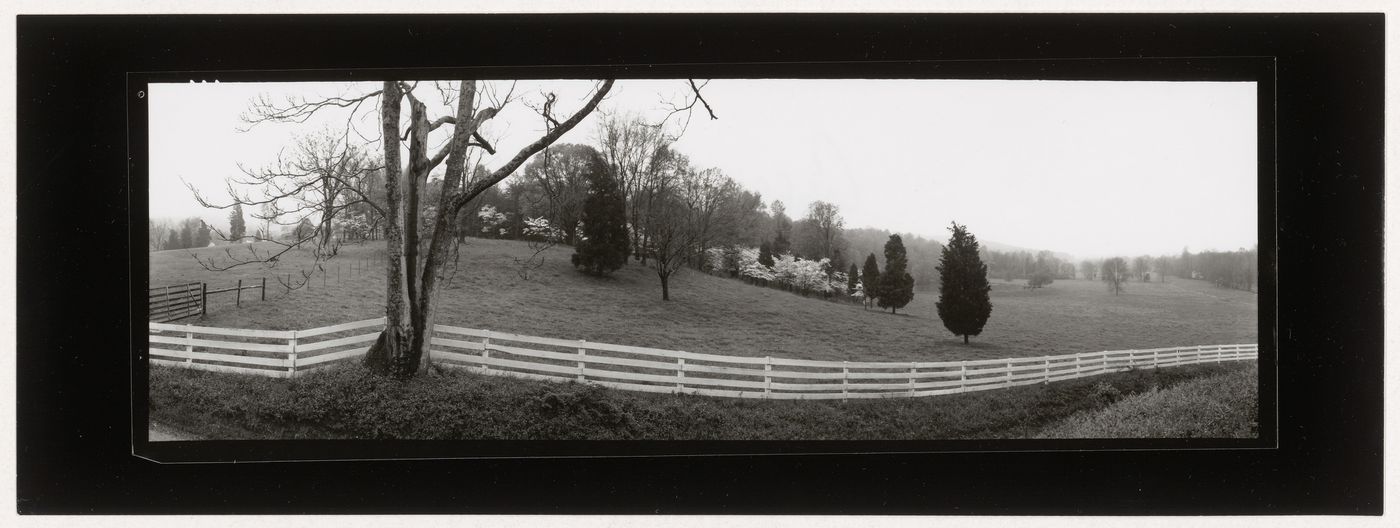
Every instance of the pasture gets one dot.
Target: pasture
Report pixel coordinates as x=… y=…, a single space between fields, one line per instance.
x=719 y=315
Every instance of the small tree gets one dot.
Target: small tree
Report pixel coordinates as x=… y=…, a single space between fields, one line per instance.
x=896 y=284
x=236 y=227
x=303 y=230
x=765 y=254
x=1115 y=273
x=852 y=278
x=1088 y=270
x=870 y=277
x=605 y=244
x=1041 y=279
x=964 y=301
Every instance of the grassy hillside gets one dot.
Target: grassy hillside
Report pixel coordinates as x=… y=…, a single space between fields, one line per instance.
x=725 y=316
x=1220 y=406
x=347 y=402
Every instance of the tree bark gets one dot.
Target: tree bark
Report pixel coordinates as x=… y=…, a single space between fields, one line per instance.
x=389 y=351
x=964 y=339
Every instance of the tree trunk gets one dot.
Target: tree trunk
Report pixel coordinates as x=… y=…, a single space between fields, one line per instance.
x=393 y=352
x=964 y=339
x=665 y=287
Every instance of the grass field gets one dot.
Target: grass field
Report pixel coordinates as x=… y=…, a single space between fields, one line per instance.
x=719 y=315
x=347 y=402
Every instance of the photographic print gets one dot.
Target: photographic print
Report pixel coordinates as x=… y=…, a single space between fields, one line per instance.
x=824 y=264
x=693 y=259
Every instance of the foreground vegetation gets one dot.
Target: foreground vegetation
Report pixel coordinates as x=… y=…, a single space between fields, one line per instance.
x=349 y=402
x=1221 y=406
x=720 y=315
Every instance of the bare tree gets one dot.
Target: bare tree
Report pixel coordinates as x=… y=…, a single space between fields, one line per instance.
x=1088 y=269
x=825 y=219
x=1142 y=265
x=1114 y=273
x=320 y=178
x=420 y=226
x=557 y=185
x=709 y=194
x=160 y=231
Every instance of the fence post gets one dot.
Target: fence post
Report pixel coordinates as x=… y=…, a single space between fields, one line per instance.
x=845 y=380
x=913 y=369
x=582 y=345
x=189 y=342
x=1078 y=369
x=680 y=374
x=262 y=290
x=238 y=294
x=767 y=377
x=962 y=377
x=1047 y=370
x=203 y=298
x=485 y=354
x=1008 y=373
x=1154 y=358
x=292 y=355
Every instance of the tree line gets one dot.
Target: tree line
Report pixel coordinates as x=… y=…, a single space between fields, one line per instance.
x=1238 y=269
x=184 y=234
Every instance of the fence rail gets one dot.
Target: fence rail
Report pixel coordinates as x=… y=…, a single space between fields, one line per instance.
x=288 y=353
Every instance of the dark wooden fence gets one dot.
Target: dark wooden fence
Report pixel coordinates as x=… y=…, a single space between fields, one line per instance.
x=178 y=301
x=238 y=291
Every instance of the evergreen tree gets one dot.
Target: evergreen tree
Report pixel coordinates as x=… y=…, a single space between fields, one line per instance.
x=186 y=236
x=236 y=227
x=870 y=277
x=852 y=278
x=896 y=284
x=303 y=230
x=605 y=244
x=838 y=262
x=964 y=303
x=765 y=254
x=201 y=235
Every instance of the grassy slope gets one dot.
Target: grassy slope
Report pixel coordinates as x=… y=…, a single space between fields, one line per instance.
x=347 y=403
x=1220 y=406
x=725 y=316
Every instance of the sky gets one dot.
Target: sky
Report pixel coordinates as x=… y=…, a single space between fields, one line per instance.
x=1091 y=169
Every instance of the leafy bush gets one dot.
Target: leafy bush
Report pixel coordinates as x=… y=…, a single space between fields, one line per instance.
x=1041 y=279
x=1105 y=394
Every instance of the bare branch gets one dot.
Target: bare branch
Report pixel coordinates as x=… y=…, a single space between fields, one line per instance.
x=530 y=150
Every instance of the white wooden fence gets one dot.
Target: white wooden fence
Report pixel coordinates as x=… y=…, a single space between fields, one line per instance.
x=292 y=352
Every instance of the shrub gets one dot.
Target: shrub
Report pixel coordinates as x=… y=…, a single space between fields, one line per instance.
x=1105 y=394
x=1041 y=279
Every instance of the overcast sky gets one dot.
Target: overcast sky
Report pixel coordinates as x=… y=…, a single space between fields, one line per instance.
x=1086 y=168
